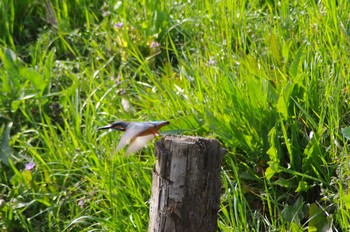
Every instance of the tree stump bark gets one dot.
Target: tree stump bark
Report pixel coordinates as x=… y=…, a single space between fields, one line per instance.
x=185 y=185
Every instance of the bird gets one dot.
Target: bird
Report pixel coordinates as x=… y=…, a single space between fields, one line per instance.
x=136 y=134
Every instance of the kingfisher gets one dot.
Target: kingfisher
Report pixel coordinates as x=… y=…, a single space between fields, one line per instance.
x=137 y=134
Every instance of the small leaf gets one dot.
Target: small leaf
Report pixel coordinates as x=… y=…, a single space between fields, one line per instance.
x=293 y=69
x=346 y=200
x=294 y=227
x=9 y=60
x=272 y=170
x=275 y=50
x=47 y=71
x=27 y=176
x=288 y=213
x=15 y=105
x=302 y=187
x=317 y=220
x=283 y=182
x=6 y=151
x=273 y=151
x=282 y=106
x=35 y=78
x=346 y=132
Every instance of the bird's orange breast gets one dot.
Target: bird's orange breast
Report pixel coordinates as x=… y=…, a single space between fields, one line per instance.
x=150 y=130
x=153 y=129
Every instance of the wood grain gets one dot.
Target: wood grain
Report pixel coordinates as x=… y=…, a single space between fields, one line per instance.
x=186 y=184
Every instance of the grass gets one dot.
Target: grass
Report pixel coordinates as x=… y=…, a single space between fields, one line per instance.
x=268 y=79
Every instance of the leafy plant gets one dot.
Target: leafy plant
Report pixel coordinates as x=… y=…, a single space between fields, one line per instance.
x=267 y=79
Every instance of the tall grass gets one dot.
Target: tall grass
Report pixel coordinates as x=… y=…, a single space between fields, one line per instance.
x=268 y=79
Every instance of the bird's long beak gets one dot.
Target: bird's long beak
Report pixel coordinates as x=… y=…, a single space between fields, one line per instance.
x=121 y=126
x=105 y=127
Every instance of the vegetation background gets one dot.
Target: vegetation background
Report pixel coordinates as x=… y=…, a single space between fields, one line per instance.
x=269 y=79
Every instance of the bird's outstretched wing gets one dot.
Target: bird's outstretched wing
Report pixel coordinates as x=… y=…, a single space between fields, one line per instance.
x=131 y=134
x=139 y=143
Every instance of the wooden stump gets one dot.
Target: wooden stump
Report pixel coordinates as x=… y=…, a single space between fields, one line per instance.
x=185 y=185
